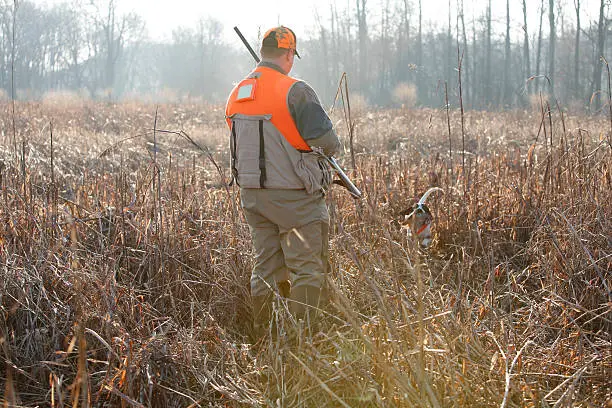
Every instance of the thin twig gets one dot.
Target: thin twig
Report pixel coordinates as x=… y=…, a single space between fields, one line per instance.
x=123 y=397
x=509 y=372
x=568 y=379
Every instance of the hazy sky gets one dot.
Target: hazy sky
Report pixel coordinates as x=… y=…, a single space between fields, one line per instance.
x=162 y=16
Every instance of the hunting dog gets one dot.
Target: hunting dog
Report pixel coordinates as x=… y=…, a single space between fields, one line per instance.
x=417 y=220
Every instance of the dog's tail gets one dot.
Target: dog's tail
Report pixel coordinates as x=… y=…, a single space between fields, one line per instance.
x=427 y=193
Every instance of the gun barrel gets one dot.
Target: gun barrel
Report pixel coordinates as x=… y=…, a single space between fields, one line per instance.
x=246 y=44
x=352 y=188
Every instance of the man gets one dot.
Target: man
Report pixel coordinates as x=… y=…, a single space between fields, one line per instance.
x=276 y=122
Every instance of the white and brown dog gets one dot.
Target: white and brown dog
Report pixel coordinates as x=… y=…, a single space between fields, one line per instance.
x=417 y=220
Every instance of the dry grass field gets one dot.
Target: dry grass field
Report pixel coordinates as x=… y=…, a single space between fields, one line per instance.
x=125 y=263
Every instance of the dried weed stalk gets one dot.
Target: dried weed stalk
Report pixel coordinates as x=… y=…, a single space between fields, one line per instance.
x=124 y=276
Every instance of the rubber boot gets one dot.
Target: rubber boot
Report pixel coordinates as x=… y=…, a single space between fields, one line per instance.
x=284 y=288
x=307 y=301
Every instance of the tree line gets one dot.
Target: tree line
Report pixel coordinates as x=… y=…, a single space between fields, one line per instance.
x=391 y=56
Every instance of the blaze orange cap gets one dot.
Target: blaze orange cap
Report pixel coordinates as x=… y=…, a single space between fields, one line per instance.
x=280 y=37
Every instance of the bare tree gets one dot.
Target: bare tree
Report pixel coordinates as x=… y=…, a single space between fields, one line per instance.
x=6 y=18
x=325 y=47
x=462 y=50
x=383 y=72
x=577 y=88
x=335 y=38
x=347 y=57
x=487 y=92
x=209 y=33
x=89 y=43
x=450 y=55
x=506 y=87
x=597 y=64
x=552 y=39
x=477 y=68
x=419 y=56
x=362 y=33
x=113 y=33
x=539 y=46
x=404 y=41
x=34 y=47
x=527 y=65
x=465 y=71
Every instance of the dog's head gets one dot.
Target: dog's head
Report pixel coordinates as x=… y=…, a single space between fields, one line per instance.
x=417 y=220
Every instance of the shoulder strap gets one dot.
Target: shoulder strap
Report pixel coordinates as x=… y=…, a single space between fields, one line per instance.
x=233 y=149
x=262 y=156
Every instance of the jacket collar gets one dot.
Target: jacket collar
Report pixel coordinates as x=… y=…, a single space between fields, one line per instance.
x=271 y=65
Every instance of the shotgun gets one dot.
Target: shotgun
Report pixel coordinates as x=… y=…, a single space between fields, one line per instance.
x=344 y=181
x=246 y=44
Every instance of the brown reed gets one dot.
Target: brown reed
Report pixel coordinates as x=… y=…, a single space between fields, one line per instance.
x=129 y=287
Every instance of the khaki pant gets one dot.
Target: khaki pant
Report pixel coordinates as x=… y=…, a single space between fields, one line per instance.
x=289 y=230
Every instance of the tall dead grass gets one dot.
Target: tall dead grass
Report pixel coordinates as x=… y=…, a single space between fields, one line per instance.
x=125 y=266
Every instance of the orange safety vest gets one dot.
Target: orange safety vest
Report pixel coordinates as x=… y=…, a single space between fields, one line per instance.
x=264 y=92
